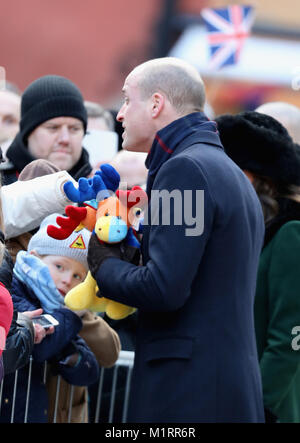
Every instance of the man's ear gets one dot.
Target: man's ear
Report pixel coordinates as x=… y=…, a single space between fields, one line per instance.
x=33 y=252
x=158 y=102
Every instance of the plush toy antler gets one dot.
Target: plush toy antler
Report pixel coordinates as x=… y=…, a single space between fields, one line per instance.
x=110 y=176
x=107 y=178
x=67 y=224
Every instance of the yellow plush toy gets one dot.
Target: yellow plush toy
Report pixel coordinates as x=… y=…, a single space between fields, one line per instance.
x=84 y=296
x=111 y=219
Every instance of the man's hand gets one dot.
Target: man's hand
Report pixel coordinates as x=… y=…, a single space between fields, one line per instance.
x=99 y=251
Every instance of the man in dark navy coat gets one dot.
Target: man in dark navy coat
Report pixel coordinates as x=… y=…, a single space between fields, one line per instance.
x=196 y=358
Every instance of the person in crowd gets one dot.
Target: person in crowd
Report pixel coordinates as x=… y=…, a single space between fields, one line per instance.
x=42 y=276
x=286 y=113
x=22 y=333
x=10 y=110
x=265 y=151
x=53 y=123
x=10 y=107
x=23 y=206
x=99 y=118
x=37 y=193
x=104 y=342
x=101 y=139
x=195 y=356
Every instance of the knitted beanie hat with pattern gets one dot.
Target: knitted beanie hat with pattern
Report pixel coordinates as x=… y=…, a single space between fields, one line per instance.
x=75 y=246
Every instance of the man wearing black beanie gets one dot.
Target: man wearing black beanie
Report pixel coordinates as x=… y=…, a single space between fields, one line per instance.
x=53 y=124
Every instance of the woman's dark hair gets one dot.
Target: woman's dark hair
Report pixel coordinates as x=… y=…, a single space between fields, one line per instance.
x=267 y=194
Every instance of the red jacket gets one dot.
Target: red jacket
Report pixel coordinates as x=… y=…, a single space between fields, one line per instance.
x=6 y=313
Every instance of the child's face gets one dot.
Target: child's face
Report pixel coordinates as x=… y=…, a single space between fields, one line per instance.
x=65 y=272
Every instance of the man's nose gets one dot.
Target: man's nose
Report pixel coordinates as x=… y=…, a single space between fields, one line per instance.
x=120 y=115
x=64 y=135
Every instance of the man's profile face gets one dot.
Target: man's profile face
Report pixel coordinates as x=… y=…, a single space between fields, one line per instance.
x=135 y=115
x=58 y=140
x=9 y=115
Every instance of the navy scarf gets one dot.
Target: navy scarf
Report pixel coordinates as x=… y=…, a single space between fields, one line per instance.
x=169 y=138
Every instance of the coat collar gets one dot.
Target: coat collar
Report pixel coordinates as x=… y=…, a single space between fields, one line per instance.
x=289 y=210
x=18 y=153
x=178 y=136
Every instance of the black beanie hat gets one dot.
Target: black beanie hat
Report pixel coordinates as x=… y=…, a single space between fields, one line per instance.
x=49 y=97
x=260 y=144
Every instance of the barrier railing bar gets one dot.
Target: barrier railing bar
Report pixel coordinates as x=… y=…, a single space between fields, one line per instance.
x=70 y=404
x=113 y=395
x=1 y=391
x=28 y=390
x=14 y=398
x=126 y=399
x=56 y=398
x=45 y=373
x=99 y=395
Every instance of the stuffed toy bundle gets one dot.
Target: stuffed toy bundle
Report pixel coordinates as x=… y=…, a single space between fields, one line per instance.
x=110 y=217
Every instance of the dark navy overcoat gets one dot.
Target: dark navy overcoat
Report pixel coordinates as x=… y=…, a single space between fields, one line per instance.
x=196 y=357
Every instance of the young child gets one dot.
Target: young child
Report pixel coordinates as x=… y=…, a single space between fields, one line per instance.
x=42 y=277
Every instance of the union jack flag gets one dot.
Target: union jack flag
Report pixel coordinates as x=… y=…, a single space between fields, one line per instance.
x=227 y=30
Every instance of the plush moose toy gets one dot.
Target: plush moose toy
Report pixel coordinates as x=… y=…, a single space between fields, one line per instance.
x=110 y=217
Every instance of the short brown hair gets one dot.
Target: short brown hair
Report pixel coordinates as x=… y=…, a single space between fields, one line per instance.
x=179 y=81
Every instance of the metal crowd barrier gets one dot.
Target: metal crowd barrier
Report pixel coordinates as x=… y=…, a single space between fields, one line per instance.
x=125 y=360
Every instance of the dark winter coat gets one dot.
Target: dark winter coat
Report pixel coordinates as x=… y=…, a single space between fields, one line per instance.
x=277 y=313
x=196 y=357
x=19 y=341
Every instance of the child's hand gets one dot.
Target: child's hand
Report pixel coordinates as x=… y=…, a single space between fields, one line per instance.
x=35 y=313
x=39 y=332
